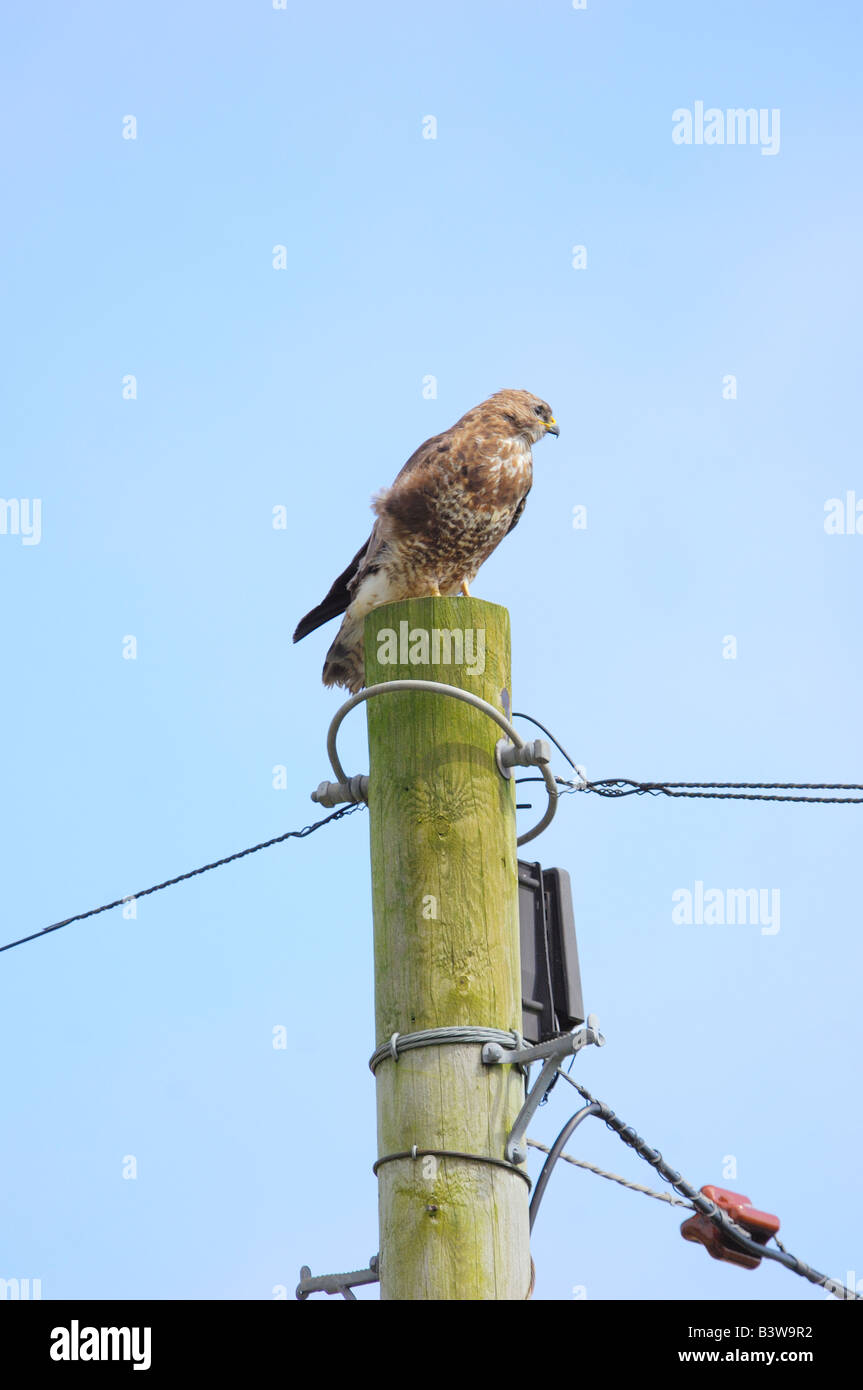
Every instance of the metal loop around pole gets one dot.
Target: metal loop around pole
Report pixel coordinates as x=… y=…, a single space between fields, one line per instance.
x=468 y=698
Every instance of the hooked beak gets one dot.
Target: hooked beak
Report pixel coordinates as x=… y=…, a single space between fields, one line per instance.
x=551 y=427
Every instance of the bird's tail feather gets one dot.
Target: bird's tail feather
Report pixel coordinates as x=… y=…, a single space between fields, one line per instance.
x=345 y=664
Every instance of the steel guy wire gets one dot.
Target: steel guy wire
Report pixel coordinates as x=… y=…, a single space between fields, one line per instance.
x=615 y=1177
x=720 y=791
x=701 y=1204
x=744 y=791
x=622 y=786
x=193 y=873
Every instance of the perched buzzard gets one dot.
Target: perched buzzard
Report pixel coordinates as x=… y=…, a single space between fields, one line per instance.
x=452 y=503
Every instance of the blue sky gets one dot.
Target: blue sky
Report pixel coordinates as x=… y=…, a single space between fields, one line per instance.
x=408 y=257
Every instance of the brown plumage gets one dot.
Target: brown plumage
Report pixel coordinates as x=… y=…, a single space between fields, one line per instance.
x=450 y=506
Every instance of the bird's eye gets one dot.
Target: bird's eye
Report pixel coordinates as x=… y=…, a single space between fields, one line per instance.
x=538 y=410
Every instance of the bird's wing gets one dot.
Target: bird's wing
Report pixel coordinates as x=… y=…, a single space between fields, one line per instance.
x=516 y=518
x=439 y=443
x=337 y=599
x=409 y=503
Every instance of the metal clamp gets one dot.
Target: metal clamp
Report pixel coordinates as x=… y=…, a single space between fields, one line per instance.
x=343 y=782
x=534 y=754
x=331 y=793
x=337 y=1283
x=552 y=1054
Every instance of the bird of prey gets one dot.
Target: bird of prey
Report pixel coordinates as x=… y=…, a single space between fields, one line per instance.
x=452 y=503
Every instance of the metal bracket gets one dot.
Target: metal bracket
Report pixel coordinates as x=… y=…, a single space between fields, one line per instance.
x=331 y=793
x=337 y=1283
x=534 y=754
x=341 y=789
x=552 y=1054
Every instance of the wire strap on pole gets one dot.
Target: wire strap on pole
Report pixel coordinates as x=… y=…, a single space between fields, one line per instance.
x=451 y=1153
x=436 y=1037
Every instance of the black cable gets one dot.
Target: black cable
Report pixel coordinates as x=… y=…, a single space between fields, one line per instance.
x=205 y=868
x=558 y=746
x=720 y=791
x=594 y=1108
x=623 y=786
x=701 y=1203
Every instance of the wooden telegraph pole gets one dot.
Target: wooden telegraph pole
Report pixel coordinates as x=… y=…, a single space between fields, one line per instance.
x=445 y=893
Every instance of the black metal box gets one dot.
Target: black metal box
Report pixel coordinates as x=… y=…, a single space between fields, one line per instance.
x=550 y=976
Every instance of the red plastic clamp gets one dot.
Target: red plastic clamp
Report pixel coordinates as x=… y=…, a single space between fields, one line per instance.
x=758 y=1225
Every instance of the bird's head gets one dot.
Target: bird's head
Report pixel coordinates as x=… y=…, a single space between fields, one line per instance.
x=524 y=414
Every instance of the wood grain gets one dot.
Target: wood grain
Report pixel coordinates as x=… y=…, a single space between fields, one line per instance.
x=446 y=932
